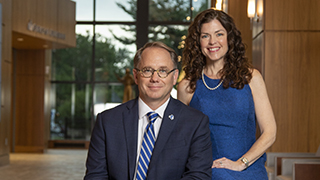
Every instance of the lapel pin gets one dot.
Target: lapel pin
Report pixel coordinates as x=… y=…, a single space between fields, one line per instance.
x=171 y=117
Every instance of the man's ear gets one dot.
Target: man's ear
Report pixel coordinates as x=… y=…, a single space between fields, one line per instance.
x=175 y=76
x=135 y=75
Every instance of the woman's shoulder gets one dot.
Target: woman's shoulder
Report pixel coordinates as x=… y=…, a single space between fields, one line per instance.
x=256 y=76
x=184 y=92
x=183 y=84
x=257 y=81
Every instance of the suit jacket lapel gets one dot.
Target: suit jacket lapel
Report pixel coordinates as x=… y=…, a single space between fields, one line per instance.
x=167 y=126
x=130 y=121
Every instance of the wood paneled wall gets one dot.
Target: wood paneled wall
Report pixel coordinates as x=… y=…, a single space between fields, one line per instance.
x=32 y=63
x=287 y=51
x=6 y=75
x=237 y=9
x=30 y=125
x=67 y=21
x=53 y=15
x=294 y=15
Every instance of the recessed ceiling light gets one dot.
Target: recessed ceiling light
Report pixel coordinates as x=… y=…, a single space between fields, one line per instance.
x=19 y=39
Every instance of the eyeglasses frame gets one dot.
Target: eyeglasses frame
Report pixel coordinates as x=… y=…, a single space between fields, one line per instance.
x=153 y=70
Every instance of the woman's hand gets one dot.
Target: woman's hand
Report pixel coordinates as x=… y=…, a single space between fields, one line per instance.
x=228 y=164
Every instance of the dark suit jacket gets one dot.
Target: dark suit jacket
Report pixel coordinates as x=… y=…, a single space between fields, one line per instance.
x=182 y=149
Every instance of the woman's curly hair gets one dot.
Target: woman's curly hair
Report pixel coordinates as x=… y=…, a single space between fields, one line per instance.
x=237 y=70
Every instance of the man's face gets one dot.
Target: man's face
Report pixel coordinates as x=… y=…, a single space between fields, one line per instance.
x=154 y=91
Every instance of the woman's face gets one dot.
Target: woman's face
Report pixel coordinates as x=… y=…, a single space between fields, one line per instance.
x=213 y=40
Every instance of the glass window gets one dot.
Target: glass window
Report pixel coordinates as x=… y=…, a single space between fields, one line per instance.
x=163 y=10
x=84 y=10
x=70 y=112
x=198 y=6
x=176 y=11
x=86 y=79
x=113 y=10
x=107 y=96
x=114 y=50
x=171 y=35
x=74 y=64
x=85 y=30
x=71 y=64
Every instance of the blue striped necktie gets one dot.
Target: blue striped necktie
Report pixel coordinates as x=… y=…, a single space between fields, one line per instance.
x=147 y=147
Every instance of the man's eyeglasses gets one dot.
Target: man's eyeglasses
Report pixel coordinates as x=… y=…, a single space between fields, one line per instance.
x=148 y=72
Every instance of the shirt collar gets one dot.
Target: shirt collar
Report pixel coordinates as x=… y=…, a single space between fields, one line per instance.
x=144 y=108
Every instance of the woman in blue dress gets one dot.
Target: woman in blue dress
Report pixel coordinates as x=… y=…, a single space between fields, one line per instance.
x=220 y=82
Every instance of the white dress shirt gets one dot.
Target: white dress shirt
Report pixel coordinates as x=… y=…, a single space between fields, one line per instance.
x=143 y=122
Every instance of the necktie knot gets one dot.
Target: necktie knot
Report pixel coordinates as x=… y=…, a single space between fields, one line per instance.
x=152 y=116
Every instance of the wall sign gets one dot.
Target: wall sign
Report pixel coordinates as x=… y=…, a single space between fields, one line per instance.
x=46 y=31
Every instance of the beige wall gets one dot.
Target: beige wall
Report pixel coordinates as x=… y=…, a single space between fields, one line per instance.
x=286 y=49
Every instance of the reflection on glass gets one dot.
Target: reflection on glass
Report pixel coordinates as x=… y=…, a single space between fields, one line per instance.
x=113 y=10
x=70 y=111
x=73 y=64
x=114 y=51
x=107 y=96
x=84 y=10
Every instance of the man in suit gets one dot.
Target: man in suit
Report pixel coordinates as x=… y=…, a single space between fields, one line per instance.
x=182 y=148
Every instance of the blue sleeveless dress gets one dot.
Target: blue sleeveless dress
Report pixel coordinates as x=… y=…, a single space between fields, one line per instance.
x=233 y=127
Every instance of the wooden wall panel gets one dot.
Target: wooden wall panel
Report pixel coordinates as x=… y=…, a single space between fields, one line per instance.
x=32 y=83
x=291 y=74
x=290 y=42
x=57 y=16
x=47 y=14
x=237 y=9
x=22 y=12
x=29 y=105
x=292 y=15
x=67 y=23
